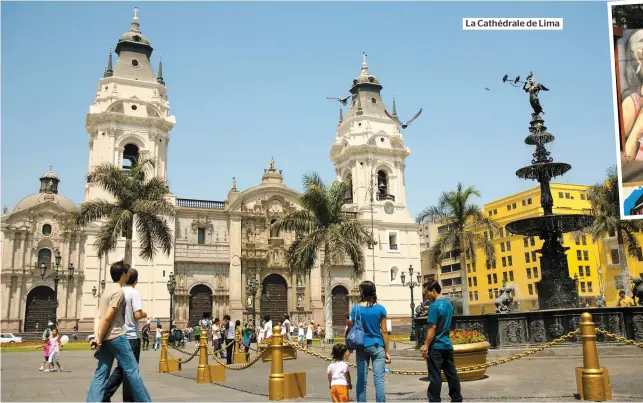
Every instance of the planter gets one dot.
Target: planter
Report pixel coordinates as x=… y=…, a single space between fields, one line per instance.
x=467 y=355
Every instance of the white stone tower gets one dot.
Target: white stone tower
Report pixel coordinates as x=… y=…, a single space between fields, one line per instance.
x=129 y=119
x=369 y=152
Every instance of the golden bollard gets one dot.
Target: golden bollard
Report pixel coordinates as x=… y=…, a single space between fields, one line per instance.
x=276 y=379
x=203 y=370
x=163 y=367
x=592 y=381
x=238 y=357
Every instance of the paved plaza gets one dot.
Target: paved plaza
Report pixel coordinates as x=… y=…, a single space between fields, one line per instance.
x=537 y=378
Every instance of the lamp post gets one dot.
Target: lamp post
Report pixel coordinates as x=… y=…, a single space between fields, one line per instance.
x=412 y=284
x=251 y=289
x=57 y=276
x=171 y=286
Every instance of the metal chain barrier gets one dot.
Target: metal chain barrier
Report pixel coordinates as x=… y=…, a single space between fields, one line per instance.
x=180 y=360
x=241 y=366
x=323 y=357
x=471 y=367
x=619 y=338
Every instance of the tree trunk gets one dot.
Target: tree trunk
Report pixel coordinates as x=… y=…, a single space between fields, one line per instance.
x=463 y=279
x=127 y=259
x=622 y=259
x=328 y=298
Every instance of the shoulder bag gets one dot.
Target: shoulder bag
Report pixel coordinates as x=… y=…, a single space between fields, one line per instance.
x=355 y=337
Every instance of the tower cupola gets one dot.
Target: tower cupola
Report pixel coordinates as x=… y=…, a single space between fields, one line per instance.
x=49 y=182
x=366 y=99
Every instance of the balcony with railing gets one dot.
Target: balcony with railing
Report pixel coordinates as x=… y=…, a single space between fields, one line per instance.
x=384 y=196
x=201 y=204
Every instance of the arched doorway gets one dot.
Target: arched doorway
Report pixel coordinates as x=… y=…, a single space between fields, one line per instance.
x=200 y=304
x=41 y=308
x=340 y=305
x=274 y=297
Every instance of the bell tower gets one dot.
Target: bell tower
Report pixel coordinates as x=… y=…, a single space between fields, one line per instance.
x=130 y=116
x=369 y=152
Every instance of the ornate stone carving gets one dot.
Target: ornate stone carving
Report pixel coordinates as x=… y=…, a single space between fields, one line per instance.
x=637 y=324
x=300 y=301
x=614 y=324
x=556 y=330
x=300 y=280
x=574 y=323
x=538 y=331
x=478 y=327
x=249 y=302
x=514 y=331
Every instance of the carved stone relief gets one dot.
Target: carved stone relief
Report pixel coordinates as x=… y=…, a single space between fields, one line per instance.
x=514 y=332
x=556 y=330
x=537 y=329
x=637 y=324
x=614 y=324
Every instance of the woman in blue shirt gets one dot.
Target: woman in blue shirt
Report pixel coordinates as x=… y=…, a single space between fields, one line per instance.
x=376 y=341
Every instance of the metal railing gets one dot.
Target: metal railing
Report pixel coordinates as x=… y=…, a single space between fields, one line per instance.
x=204 y=204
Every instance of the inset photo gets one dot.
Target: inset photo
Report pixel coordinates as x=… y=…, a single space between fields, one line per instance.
x=627 y=42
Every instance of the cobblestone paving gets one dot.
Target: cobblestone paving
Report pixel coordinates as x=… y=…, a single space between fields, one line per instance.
x=539 y=378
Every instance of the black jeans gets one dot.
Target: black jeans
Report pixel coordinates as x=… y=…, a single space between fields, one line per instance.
x=438 y=361
x=229 y=350
x=117 y=377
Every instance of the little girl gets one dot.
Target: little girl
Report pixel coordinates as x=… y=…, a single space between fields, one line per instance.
x=46 y=347
x=54 y=352
x=309 y=334
x=300 y=334
x=339 y=379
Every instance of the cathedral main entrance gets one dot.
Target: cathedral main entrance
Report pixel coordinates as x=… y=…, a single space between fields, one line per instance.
x=41 y=308
x=200 y=304
x=274 y=297
x=340 y=305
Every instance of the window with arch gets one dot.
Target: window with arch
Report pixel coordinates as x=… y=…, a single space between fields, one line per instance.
x=394 y=275
x=46 y=229
x=44 y=256
x=130 y=156
x=274 y=232
x=348 y=198
x=383 y=186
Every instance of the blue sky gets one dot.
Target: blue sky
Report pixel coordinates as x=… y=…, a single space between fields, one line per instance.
x=249 y=81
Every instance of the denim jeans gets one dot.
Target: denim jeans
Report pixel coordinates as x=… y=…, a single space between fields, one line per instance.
x=120 y=349
x=377 y=356
x=442 y=360
x=117 y=377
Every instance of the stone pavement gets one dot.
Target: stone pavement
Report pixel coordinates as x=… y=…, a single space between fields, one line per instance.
x=533 y=378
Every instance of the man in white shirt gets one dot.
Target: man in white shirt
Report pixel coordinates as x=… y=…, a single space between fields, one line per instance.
x=286 y=327
x=133 y=313
x=267 y=328
x=229 y=338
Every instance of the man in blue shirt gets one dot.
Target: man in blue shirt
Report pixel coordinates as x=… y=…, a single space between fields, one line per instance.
x=437 y=348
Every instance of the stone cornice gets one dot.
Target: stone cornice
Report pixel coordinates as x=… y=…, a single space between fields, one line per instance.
x=111 y=117
x=351 y=151
x=132 y=83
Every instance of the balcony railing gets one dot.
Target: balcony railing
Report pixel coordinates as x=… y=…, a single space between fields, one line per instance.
x=352 y=215
x=382 y=197
x=204 y=204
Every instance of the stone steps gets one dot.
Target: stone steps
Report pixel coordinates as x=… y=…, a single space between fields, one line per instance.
x=36 y=336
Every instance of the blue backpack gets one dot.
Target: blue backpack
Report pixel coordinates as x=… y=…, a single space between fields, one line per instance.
x=355 y=337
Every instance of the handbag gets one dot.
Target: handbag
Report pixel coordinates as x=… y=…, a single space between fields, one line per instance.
x=355 y=337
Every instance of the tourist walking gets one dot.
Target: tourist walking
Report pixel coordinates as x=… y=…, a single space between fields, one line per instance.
x=111 y=341
x=157 y=337
x=197 y=334
x=229 y=338
x=300 y=334
x=46 y=348
x=133 y=313
x=54 y=351
x=216 y=337
x=145 y=332
x=339 y=377
x=285 y=328
x=438 y=349
x=267 y=328
x=309 y=334
x=375 y=349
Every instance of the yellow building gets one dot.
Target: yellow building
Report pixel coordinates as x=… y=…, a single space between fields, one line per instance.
x=517 y=263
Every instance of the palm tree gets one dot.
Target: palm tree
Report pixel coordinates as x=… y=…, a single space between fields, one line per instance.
x=323 y=228
x=464 y=232
x=606 y=206
x=139 y=201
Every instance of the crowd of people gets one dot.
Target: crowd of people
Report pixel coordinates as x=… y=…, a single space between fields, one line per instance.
x=117 y=336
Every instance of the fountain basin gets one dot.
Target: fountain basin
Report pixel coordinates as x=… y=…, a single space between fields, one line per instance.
x=540 y=138
x=543 y=170
x=470 y=354
x=562 y=223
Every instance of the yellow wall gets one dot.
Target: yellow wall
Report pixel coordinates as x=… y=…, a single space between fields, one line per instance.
x=527 y=204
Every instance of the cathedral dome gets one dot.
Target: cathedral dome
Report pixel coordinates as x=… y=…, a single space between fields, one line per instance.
x=365 y=77
x=136 y=37
x=32 y=201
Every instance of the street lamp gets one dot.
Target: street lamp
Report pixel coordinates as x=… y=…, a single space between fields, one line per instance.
x=56 y=276
x=251 y=288
x=412 y=284
x=171 y=286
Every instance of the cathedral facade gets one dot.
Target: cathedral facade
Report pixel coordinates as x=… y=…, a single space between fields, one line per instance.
x=223 y=249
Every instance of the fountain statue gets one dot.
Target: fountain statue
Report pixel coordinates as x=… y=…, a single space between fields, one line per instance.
x=503 y=302
x=637 y=290
x=555 y=289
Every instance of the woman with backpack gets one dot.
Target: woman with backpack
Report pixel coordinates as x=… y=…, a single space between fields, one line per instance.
x=367 y=335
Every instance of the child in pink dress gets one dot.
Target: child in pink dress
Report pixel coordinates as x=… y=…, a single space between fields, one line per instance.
x=46 y=347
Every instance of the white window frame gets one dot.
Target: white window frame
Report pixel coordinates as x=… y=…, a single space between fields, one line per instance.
x=397 y=238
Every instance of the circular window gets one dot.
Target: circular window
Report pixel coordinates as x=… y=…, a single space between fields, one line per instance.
x=359 y=124
x=134 y=107
x=137 y=38
x=373 y=100
x=135 y=63
x=382 y=139
x=46 y=230
x=106 y=87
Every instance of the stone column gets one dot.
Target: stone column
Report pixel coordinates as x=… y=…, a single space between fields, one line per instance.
x=235 y=283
